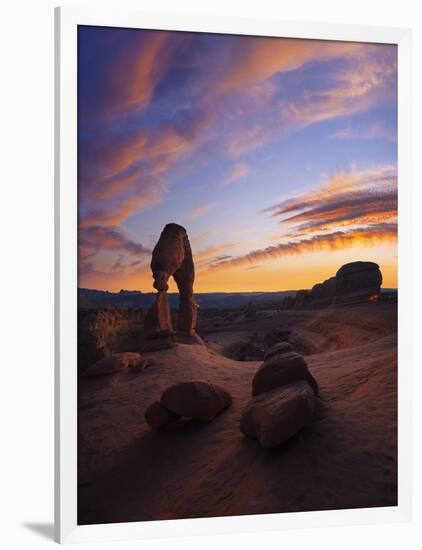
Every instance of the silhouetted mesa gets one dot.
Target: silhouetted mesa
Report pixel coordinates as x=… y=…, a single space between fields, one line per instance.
x=354 y=283
x=358 y=282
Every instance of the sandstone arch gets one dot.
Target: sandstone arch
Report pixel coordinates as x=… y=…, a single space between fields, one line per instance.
x=171 y=257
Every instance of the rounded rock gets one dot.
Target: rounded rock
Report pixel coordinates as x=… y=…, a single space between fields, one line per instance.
x=279 y=371
x=196 y=399
x=276 y=416
x=158 y=417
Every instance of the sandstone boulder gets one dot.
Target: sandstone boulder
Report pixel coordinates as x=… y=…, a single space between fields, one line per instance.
x=273 y=417
x=196 y=399
x=117 y=363
x=281 y=370
x=158 y=417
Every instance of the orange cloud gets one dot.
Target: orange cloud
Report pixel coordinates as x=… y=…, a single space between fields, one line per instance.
x=369 y=236
x=349 y=209
x=260 y=58
x=140 y=69
x=350 y=197
x=114 y=216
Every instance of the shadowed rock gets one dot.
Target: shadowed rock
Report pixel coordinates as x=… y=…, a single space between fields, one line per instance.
x=322 y=294
x=196 y=399
x=116 y=363
x=158 y=329
x=158 y=417
x=303 y=297
x=357 y=282
x=281 y=370
x=273 y=417
x=354 y=283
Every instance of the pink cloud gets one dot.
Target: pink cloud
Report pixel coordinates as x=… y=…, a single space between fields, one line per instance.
x=238 y=172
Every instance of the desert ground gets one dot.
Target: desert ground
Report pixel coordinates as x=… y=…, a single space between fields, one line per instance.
x=345 y=457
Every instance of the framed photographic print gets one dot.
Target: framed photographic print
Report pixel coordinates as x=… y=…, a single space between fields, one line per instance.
x=232 y=275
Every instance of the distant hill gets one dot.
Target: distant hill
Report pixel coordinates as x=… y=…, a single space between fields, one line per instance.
x=91 y=298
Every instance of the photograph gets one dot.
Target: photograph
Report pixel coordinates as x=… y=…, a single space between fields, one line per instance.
x=237 y=275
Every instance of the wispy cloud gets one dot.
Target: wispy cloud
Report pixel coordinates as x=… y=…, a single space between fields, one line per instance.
x=259 y=59
x=349 y=208
x=93 y=239
x=238 y=172
x=366 y=78
x=349 y=196
x=370 y=131
x=199 y=211
x=207 y=256
x=370 y=236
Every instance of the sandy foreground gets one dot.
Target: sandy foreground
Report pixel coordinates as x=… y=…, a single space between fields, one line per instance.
x=346 y=457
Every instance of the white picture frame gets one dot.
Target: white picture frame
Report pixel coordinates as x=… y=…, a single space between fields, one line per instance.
x=66 y=23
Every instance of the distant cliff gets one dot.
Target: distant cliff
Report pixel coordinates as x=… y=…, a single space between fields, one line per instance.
x=354 y=283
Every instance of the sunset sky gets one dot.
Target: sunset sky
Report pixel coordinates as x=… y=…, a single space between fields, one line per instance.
x=279 y=156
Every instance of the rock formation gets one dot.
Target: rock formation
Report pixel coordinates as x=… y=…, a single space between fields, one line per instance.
x=194 y=399
x=158 y=417
x=280 y=370
x=357 y=282
x=275 y=416
x=302 y=299
x=322 y=294
x=171 y=257
x=283 y=397
x=118 y=363
x=158 y=329
x=354 y=283
x=106 y=331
